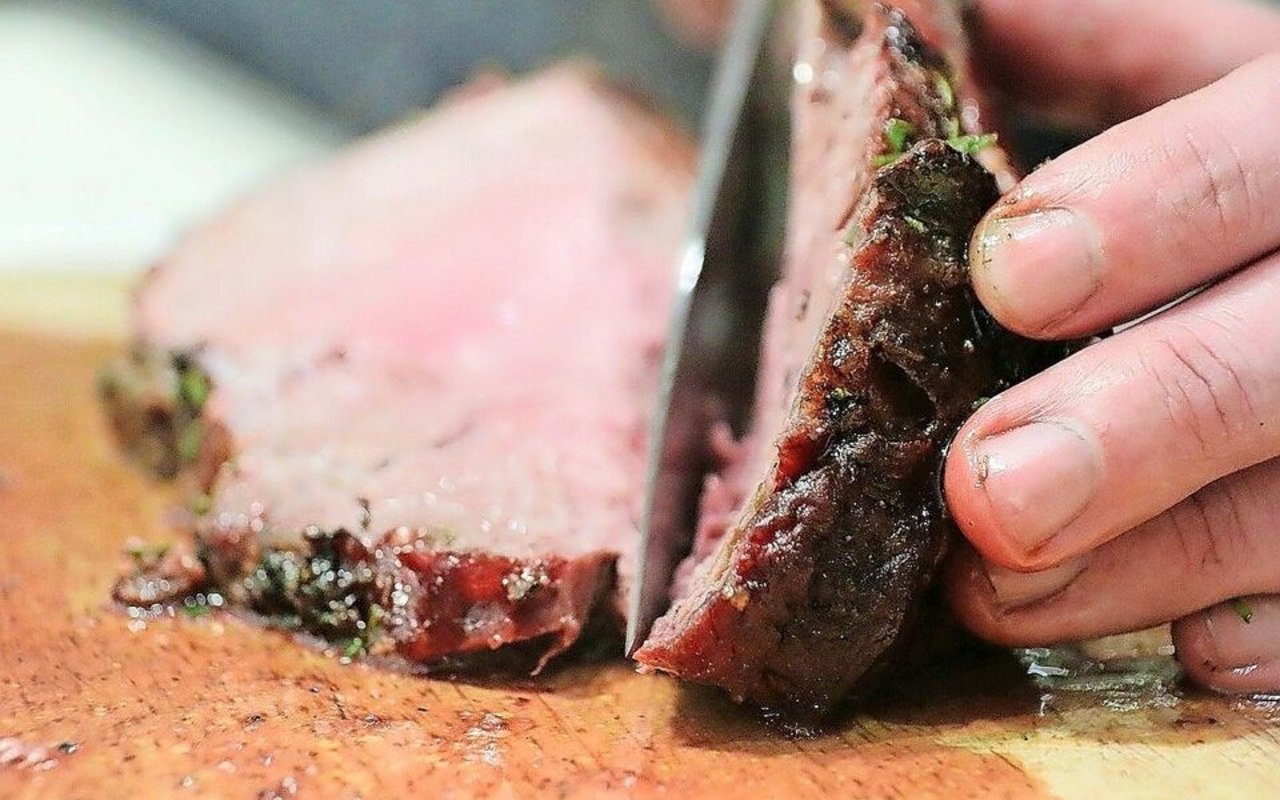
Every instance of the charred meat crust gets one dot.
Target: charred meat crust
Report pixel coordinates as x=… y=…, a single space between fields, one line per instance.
x=397 y=596
x=818 y=582
x=430 y=610
x=155 y=403
x=828 y=569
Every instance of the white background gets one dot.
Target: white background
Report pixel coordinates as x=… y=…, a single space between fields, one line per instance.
x=116 y=135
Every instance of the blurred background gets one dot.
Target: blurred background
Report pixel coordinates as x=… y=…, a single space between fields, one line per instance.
x=123 y=122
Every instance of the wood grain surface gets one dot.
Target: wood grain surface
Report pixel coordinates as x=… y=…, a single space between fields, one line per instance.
x=94 y=704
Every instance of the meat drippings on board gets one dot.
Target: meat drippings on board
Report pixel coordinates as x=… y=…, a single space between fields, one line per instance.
x=409 y=388
x=875 y=352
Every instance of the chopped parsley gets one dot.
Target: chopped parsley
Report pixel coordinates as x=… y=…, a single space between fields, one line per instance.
x=1242 y=609
x=916 y=224
x=971 y=143
x=324 y=592
x=945 y=93
x=838 y=400
x=201 y=604
x=897 y=133
x=148 y=553
x=196 y=610
x=189 y=441
x=193 y=388
x=354 y=648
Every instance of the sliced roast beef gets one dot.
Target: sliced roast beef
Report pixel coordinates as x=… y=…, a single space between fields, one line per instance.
x=823 y=533
x=411 y=385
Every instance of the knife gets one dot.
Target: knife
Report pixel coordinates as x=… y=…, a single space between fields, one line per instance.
x=718 y=309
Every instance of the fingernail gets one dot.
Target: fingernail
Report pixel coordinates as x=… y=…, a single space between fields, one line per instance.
x=1242 y=633
x=1041 y=267
x=1037 y=478
x=1014 y=590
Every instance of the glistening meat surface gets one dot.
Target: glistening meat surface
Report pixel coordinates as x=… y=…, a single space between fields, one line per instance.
x=411 y=385
x=875 y=352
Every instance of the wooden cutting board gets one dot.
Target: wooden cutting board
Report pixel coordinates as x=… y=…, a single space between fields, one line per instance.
x=93 y=704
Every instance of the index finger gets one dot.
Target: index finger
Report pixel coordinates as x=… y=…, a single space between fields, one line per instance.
x=1091 y=63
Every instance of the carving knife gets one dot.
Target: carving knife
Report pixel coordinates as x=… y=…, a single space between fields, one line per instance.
x=718 y=307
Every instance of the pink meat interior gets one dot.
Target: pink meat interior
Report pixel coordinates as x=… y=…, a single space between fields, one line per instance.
x=453 y=328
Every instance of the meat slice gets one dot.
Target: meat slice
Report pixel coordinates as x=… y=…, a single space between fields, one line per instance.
x=411 y=385
x=875 y=352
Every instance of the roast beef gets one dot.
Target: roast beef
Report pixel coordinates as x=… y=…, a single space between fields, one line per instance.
x=410 y=386
x=821 y=537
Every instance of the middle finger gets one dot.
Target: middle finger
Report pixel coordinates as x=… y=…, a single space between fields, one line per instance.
x=1124 y=429
x=1217 y=544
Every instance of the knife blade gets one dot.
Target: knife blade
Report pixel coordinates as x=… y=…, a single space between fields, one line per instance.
x=709 y=320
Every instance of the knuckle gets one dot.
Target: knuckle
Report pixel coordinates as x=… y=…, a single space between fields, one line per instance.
x=1205 y=397
x=1208 y=530
x=1216 y=194
x=1211 y=530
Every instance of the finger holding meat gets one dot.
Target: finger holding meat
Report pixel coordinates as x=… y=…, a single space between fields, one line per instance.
x=1134 y=483
x=1123 y=430
x=1233 y=646
x=1218 y=544
x=1152 y=208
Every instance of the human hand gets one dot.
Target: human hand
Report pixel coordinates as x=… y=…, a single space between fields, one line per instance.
x=1137 y=482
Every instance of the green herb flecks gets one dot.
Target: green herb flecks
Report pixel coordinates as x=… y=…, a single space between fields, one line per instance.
x=971 y=143
x=354 y=648
x=322 y=591
x=896 y=132
x=189 y=439
x=193 y=388
x=897 y=135
x=942 y=84
x=916 y=224
x=200 y=604
x=145 y=554
x=839 y=402
x=1242 y=609
x=195 y=611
